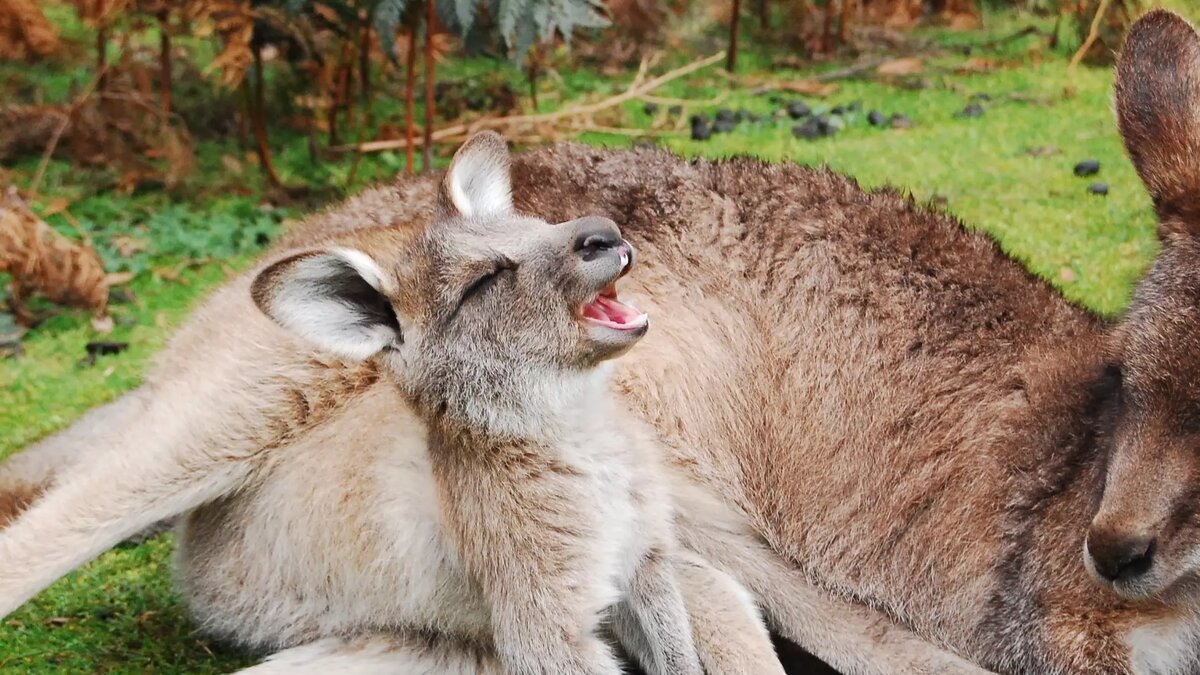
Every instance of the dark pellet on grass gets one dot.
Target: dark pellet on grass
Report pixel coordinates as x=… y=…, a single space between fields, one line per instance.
x=876 y=118
x=675 y=110
x=650 y=108
x=724 y=126
x=1100 y=189
x=815 y=127
x=972 y=110
x=808 y=131
x=701 y=131
x=725 y=114
x=838 y=110
x=105 y=348
x=798 y=109
x=1088 y=167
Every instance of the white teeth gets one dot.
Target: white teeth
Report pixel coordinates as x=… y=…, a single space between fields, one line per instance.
x=624 y=259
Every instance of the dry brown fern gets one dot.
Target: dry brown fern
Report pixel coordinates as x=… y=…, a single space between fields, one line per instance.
x=44 y=262
x=25 y=33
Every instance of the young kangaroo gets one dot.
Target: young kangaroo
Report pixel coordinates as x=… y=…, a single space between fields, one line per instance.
x=497 y=512
x=498 y=330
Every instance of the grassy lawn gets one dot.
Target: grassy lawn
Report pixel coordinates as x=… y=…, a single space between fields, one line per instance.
x=1008 y=172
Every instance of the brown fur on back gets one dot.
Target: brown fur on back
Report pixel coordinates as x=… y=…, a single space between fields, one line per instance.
x=883 y=391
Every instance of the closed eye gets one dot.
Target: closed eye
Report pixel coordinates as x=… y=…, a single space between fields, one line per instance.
x=486 y=281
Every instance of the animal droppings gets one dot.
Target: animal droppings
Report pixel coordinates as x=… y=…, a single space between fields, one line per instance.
x=972 y=110
x=798 y=109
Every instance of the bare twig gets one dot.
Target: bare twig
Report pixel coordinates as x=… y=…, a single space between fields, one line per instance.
x=623 y=131
x=101 y=74
x=734 y=26
x=583 y=110
x=430 y=104
x=410 y=101
x=164 y=59
x=1093 y=35
x=643 y=66
x=695 y=103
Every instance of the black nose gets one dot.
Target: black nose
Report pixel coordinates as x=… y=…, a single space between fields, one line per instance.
x=1120 y=557
x=596 y=235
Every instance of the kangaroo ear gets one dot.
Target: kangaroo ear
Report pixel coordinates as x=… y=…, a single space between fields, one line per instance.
x=479 y=181
x=1158 y=112
x=332 y=299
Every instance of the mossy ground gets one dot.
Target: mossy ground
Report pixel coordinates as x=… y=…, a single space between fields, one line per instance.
x=119 y=614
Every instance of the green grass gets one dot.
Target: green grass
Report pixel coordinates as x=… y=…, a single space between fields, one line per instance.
x=119 y=613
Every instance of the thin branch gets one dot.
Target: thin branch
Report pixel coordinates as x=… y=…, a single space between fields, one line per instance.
x=410 y=101
x=430 y=104
x=544 y=118
x=734 y=26
x=101 y=74
x=696 y=103
x=1093 y=35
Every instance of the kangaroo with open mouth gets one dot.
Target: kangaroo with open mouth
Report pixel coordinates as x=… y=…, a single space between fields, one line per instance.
x=498 y=329
x=514 y=519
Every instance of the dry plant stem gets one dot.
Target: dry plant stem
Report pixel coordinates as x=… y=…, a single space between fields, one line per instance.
x=410 y=99
x=532 y=72
x=634 y=92
x=364 y=74
x=93 y=86
x=164 y=60
x=622 y=131
x=734 y=25
x=1093 y=35
x=257 y=120
x=339 y=90
x=430 y=105
x=844 y=25
x=827 y=28
x=698 y=103
x=102 y=55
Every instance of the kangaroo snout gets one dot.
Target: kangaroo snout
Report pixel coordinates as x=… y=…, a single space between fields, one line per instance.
x=597 y=237
x=1120 y=556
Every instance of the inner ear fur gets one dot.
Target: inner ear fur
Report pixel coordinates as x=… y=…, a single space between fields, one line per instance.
x=1158 y=112
x=479 y=180
x=331 y=298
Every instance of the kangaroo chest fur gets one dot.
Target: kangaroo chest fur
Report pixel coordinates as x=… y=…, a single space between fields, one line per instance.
x=330 y=542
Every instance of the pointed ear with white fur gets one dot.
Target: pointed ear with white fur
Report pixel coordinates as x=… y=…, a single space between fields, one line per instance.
x=479 y=181
x=333 y=299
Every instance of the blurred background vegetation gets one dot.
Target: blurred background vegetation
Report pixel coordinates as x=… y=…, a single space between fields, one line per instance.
x=150 y=149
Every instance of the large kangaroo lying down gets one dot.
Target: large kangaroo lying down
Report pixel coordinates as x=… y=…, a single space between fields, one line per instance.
x=865 y=405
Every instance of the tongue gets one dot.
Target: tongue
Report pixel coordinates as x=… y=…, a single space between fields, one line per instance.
x=611 y=310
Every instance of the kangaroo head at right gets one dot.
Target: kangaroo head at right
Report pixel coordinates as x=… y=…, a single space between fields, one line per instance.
x=1145 y=538
x=486 y=309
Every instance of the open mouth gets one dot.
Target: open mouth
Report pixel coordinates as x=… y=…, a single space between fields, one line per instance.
x=606 y=310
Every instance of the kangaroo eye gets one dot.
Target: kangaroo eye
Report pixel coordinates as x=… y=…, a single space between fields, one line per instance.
x=485 y=281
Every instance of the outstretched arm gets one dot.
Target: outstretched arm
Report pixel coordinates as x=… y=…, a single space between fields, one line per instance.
x=177 y=451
